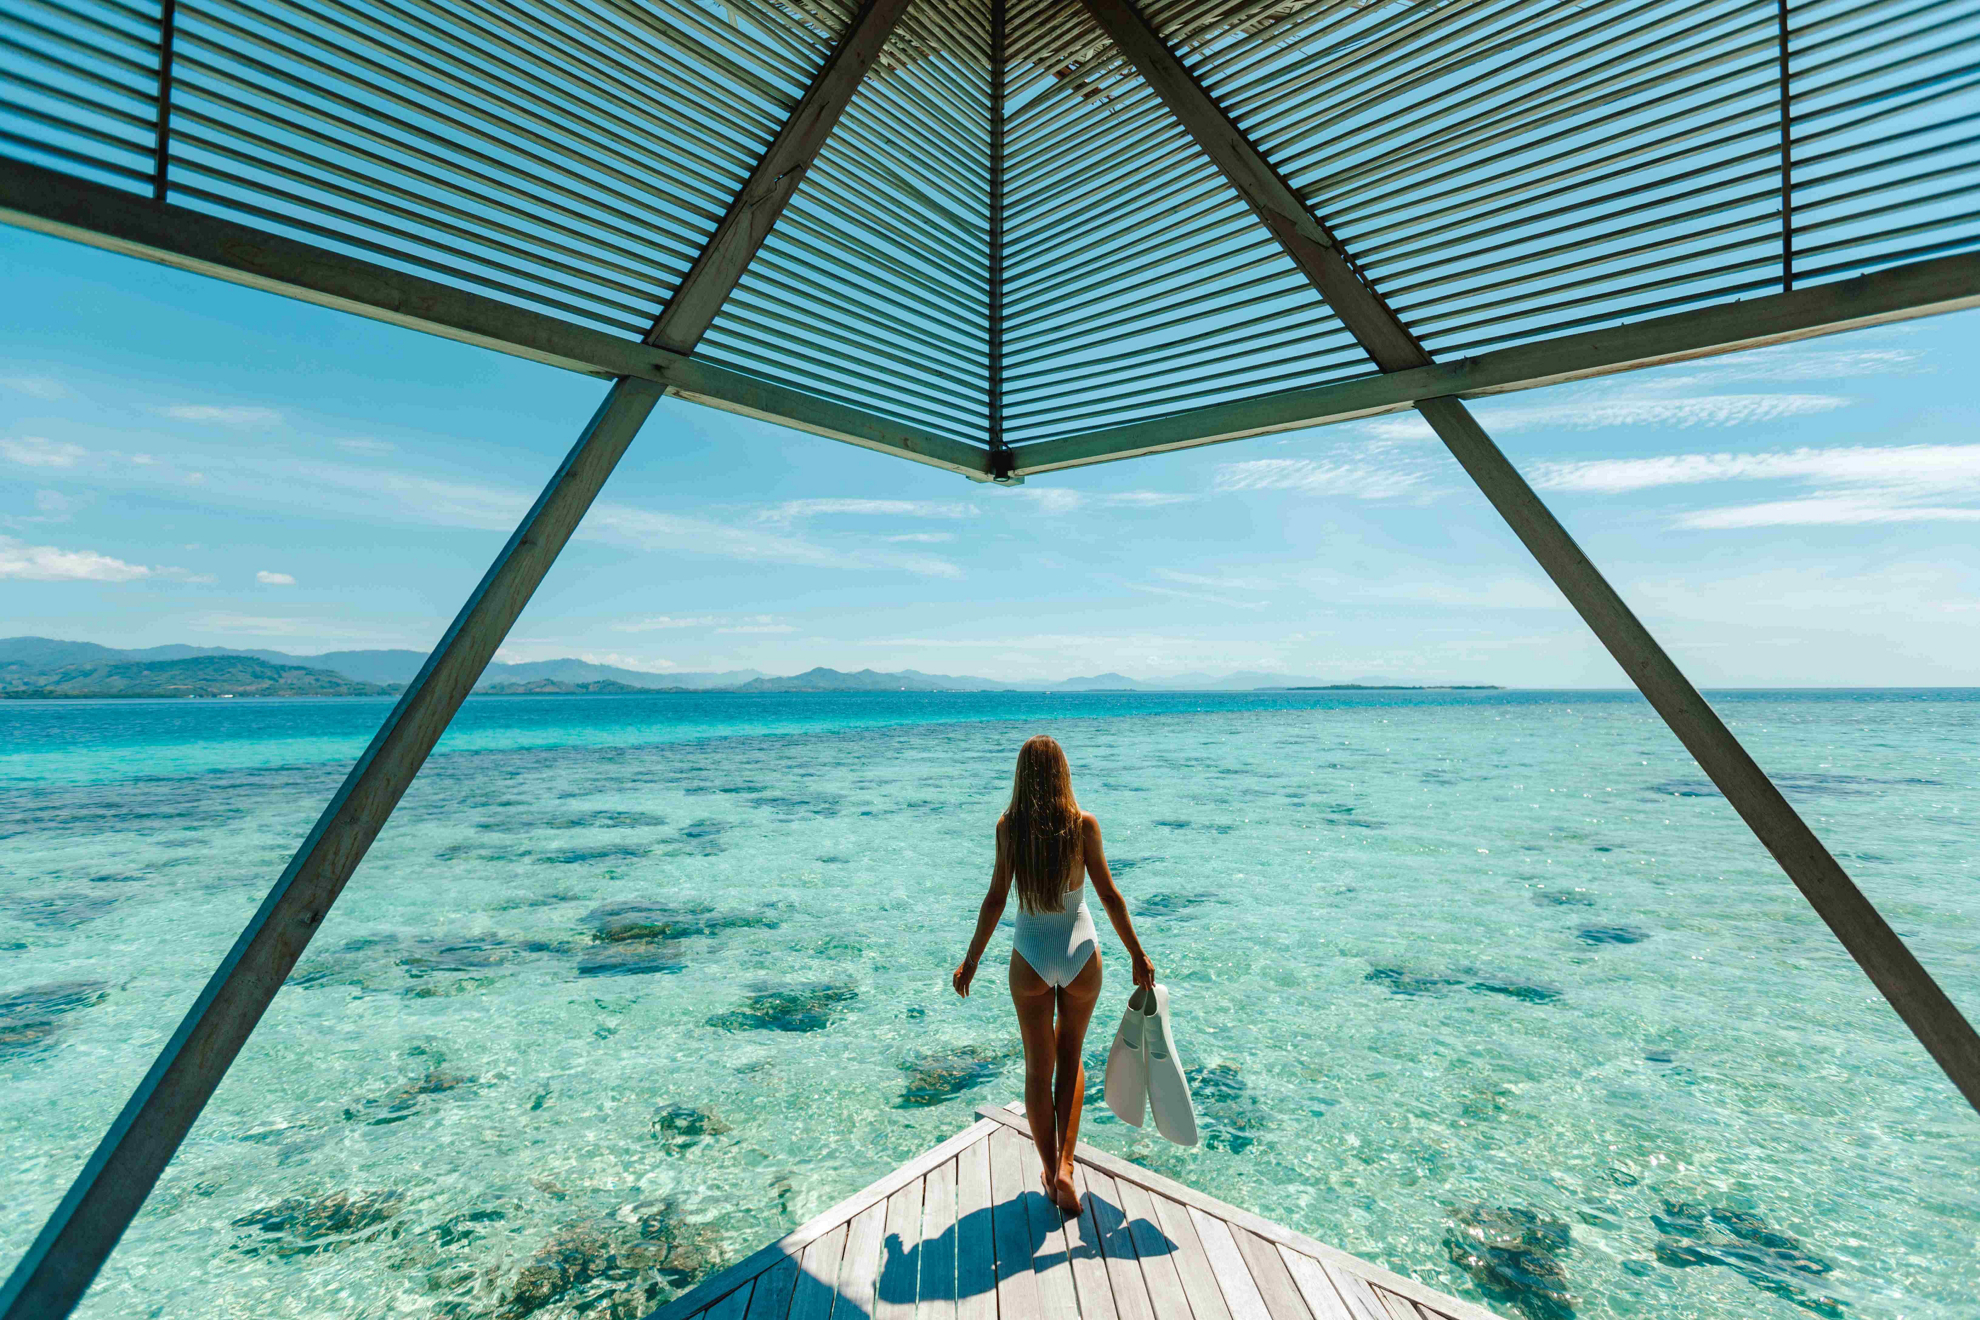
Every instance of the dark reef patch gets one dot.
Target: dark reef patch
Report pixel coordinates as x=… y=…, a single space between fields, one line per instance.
x=605 y=1269
x=1514 y=1255
x=635 y=937
x=1526 y=992
x=31 y=1018
x=1403 y=981
x=306 y=1225
x=1169 y=905
x=701 y=839
x=1772 y=1261
x=1227 y=1115
x=1563 y=898
x=680 y=1128
x=1599 y=935
x=640 y=919
x=1795 y=785
x=621 y=852
x=63 y=911
x=800 y=1008
x=402 y=1102
x=1413 y=984
x=937 y=1078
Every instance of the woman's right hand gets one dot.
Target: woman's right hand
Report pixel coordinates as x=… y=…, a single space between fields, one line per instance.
x=1144 y=972
x=965 y=972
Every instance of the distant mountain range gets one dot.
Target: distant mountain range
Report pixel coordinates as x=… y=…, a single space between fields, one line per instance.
x=41 y=667
x=24 y=655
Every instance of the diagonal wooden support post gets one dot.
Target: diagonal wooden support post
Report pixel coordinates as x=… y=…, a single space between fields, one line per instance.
x=86 y=1226
x=770 y=186
x=72 y=1246
x=1909 y=988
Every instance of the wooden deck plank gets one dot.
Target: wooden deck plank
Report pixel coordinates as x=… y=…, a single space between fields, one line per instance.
x=1451 y=1307
x=935 y=1290
x=1322 y=1298
x=899 y=1255
x=818 y=1276
x=1399 y=1308
x=976 y=1247
x=1269 y=1272
x=1199 y=1281
x=1051 y=1260
x=733 y=1307
x=899 y=1288
x=1131 y=1300
x=770 y=1291
x=1227 y=1262
x=1157 y=1251
x=792 y=1243
x=859 y=1272
x=1357 y=1292
x=1010 y=1226
x=1089 y=1262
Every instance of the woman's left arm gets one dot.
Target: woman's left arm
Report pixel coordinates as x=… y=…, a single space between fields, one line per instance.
x=1110 y=898
x=987 y=916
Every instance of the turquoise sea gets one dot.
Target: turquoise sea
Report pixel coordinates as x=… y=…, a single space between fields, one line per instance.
x=1491 y=988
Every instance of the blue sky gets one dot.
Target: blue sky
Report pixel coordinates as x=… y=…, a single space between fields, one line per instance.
x=187 y=461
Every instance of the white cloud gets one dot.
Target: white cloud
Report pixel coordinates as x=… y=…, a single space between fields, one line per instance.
x=522 y=652
x=1824 y=511
x=1052 y=500
x=36 y=387
x=1790 y=362
x=1856 y=484
x=52 y=506
x=39 y=451
x=760 y=628
x=362 y=446
x=1147 y=499
x=793 y=509
x=47 y=563
x=1584 y=409
x=1381 y=475
x=660 y=622
x=314 y=627
x=643 y=529
x=268 y=579
x=1935 y=466
x=236 y=416
x=921 y=538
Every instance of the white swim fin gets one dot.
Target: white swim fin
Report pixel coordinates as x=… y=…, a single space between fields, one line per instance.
x=1127 y=1065
x=1168 y=1089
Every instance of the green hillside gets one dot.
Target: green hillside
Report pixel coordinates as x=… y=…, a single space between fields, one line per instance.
x=199 y=676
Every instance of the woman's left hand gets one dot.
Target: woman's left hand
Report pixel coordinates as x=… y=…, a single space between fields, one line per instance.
x=960 y=979
x=1144 y=972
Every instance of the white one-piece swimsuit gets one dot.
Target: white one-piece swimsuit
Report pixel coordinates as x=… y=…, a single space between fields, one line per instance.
x=1057 y=944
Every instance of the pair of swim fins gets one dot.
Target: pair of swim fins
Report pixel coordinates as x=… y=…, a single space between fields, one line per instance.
x=1143 y=1072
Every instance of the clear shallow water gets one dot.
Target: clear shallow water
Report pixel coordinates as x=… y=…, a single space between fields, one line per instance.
x=1459 y=971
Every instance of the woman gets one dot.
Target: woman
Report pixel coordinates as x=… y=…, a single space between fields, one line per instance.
x=1046 y=843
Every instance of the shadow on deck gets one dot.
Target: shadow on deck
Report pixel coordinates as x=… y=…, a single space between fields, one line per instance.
x=964 y=1232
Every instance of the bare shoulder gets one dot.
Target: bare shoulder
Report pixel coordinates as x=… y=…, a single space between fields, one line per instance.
x=1089 y=824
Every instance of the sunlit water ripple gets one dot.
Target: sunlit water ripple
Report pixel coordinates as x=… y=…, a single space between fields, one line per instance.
x=1490 y=988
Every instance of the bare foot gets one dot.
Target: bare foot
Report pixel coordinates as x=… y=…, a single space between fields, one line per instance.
x=1065 y=1195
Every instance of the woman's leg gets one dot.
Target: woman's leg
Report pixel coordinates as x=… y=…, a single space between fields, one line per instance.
x=1076 y=1003
x=1034 y=998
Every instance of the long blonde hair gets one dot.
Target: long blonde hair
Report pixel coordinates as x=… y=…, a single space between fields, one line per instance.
x=1042 y=826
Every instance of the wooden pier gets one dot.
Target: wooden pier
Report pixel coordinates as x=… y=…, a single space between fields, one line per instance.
x=964 y=1232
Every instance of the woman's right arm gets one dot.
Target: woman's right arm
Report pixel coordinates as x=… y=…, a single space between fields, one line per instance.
x=987 y=916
